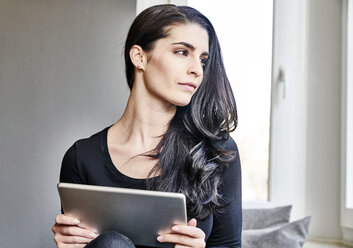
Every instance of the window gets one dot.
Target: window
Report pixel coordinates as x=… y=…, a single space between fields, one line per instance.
x=349 y=108
x=347 y=122
x=247 y=53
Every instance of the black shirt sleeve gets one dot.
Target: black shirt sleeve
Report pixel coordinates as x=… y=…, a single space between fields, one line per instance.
x=227 y=226
x=69 y=172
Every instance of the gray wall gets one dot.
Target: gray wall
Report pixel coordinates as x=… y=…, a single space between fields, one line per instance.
x=61 y=79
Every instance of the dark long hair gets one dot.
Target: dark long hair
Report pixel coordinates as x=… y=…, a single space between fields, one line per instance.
x=191 y=155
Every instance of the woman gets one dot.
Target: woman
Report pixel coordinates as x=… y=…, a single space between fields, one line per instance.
x=173 y=135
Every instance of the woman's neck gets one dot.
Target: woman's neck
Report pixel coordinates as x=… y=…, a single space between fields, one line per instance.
x=146 y=118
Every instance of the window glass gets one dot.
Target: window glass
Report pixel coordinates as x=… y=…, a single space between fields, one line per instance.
x=244 y=29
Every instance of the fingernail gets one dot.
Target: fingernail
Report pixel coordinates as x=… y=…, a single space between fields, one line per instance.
x=93 y=235
x=160 y=238
x=175 y=228
x=76 y=221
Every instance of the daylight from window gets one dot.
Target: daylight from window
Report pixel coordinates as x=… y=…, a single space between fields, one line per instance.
x=244 y=29
x=349 y=109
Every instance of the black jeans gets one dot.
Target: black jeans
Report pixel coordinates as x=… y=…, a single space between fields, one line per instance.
x=111 y=239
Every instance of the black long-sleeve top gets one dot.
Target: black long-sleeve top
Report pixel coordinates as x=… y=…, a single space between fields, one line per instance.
x=88 y=161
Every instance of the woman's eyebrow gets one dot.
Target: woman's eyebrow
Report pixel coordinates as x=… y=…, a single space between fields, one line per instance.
x=188 y=45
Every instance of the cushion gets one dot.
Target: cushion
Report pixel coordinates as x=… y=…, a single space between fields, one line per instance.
x=290 y=235
x=266 y=217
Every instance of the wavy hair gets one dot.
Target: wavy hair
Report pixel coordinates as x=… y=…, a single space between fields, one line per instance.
x=191 y=154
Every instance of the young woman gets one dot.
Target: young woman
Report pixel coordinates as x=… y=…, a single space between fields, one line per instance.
x=173 y=135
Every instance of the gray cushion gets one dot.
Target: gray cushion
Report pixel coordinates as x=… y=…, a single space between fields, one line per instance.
x=290 y=235
x=265 y=217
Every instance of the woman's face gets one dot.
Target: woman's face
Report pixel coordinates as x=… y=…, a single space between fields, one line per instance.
x=174 y=69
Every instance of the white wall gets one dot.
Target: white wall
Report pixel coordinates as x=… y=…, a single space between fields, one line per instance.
x=61 y=78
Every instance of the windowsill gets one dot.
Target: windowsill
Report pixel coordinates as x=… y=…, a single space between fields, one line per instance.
x=315 y=244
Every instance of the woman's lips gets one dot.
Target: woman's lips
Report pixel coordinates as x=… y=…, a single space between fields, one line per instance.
x=190 y=87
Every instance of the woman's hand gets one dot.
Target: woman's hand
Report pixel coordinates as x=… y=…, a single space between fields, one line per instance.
x=185 y=236
x=68 y=233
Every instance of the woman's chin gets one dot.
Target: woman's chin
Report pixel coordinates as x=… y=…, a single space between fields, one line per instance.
x=179 y=100
x=182 y=103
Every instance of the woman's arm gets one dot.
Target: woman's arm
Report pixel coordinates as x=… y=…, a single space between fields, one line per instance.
x=67 y=230
x=69 y=172
x=227 y=226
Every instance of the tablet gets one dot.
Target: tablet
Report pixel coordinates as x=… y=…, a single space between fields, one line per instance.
x=138 y=214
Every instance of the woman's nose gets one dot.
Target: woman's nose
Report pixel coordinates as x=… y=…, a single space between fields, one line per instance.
x=196 y=68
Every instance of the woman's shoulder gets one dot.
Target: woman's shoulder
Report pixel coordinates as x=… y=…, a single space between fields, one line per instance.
x=86 y=148
x=81 y=157
x=228 y=144
x=91 y=142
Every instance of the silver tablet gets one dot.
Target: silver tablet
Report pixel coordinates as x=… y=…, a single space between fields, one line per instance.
x=138 y=214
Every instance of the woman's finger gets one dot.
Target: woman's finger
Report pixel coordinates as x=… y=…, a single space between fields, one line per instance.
x=181 y=240
x=62 y=245
x=192 y=222
x=185 y=235
x=66 y=220
x=59 y=238
x=181 y=246
x=189 y=230
x=74 y=231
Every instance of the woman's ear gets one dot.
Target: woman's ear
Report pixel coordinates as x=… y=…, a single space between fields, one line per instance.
x=138 y=57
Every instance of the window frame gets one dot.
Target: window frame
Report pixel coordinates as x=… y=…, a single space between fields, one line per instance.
x=346 y=213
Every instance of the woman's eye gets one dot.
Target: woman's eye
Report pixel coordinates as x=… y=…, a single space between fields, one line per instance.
x=182 y=52
x=203 y=61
